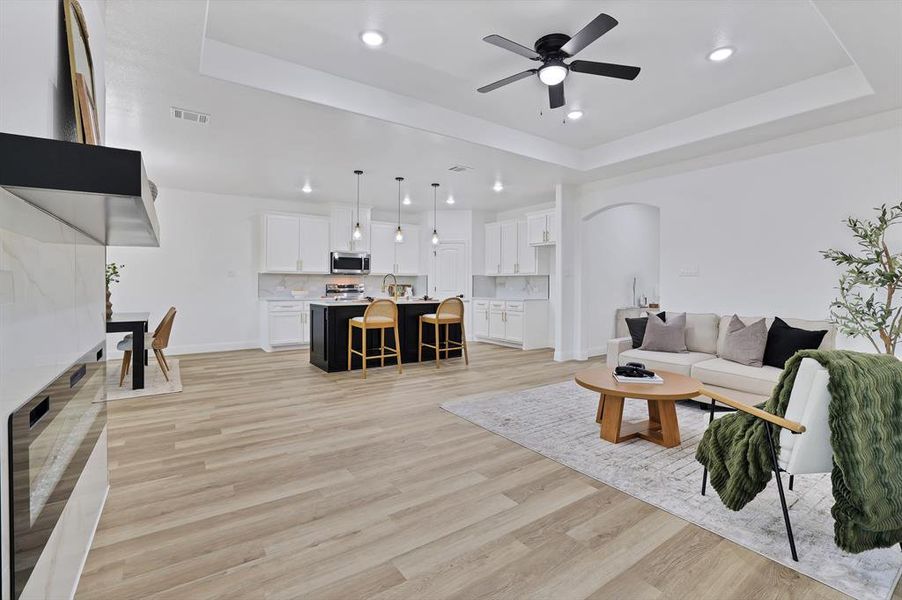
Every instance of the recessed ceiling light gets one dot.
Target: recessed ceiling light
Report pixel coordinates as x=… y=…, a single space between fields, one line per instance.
x=450 y=200
x=573 y=115
x=306 y=189
x=720 y=54
x=406 y=200
x=372 y=38
x=498 y=186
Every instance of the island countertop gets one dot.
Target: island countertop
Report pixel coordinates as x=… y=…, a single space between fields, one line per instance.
x=399 y=301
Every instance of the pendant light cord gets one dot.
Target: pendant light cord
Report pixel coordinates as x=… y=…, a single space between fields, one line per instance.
x=358 y=172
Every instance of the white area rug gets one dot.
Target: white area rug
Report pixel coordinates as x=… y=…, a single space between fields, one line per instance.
x=558 y=421
x=154 y=382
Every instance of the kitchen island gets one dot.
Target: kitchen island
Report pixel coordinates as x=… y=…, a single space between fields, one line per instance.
x=329 y=333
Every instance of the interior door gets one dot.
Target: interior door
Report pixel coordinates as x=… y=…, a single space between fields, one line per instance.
x=407 y=253
x=492 y=248
x=509 y=247
x=526 y=254
x=314 y=244
x=449 y=269
x=282 y=242
x=382 y=248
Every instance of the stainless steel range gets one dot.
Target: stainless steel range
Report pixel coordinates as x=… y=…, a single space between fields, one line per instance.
x=345 y=292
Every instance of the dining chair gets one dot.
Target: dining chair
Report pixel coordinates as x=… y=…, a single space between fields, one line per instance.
x=449 y=312
x=156 y=341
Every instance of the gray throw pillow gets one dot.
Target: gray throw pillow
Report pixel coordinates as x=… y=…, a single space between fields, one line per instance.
x=745 y=344
x=665 y=337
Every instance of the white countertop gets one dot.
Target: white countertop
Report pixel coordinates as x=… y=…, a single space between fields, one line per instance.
x=512 y=299
x=327 y=302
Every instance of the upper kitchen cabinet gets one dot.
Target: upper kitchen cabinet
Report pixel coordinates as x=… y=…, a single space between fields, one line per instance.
x=507 y=251
x=540 y=228
x=343 y=220
x=295 y=243
x=389 y=256
x=492 y=248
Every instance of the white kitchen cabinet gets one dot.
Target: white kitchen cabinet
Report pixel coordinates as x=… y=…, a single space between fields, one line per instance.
x=492 y=248
x=389 y=256
x=342 y=222
x=480 y=319
x=520 y=323
x=382 y=248
x=526 y=254
x=407 y=253
x=284 y=324
x=540 y=228
x=314 y=244
x=282 y=242
x=294 y=243
x=508 y=247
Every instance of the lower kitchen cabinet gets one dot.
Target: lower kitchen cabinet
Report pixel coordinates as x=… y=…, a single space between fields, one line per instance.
x=523 y=323
x=284 y=324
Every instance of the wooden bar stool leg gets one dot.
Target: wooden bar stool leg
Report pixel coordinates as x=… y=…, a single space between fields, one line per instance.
x=350 y=343
x=382 y=349
x=363 y=336
x=398 y=349
x=420 y=339
x=438 y=345
x=463 y=340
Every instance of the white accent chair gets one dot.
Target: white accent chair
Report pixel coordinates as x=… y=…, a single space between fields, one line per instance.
x=804 y=431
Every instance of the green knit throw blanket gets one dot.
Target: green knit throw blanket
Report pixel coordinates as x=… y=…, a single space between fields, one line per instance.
x=865 y=417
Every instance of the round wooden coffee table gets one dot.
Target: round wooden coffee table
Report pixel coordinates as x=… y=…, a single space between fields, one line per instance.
x=661 y=427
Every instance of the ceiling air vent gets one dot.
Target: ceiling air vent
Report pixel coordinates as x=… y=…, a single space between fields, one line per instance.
x=190 y=115
x=460 y=168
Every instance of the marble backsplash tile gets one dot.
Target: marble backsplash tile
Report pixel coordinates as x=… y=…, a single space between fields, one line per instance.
x=534 y=287
x=270 y=285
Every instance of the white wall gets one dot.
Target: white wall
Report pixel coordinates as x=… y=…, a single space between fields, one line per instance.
x=35 y=89
x=753 y=229
x=619 y=243
x=206 y=266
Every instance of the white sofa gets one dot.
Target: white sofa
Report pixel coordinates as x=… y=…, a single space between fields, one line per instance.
x=705 y=334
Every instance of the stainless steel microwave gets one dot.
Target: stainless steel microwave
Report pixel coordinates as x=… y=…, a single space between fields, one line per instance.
x=353 y=263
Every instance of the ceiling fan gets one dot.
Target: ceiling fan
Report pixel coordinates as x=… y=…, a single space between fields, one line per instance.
x=552 y=49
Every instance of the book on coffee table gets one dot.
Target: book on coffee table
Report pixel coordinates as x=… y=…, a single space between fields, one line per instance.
x=656 y=379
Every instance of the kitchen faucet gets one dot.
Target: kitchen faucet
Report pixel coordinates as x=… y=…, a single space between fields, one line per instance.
x=395 y=288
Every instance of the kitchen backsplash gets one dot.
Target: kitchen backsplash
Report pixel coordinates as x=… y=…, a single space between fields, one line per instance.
x=271 y=285
x=520 y=287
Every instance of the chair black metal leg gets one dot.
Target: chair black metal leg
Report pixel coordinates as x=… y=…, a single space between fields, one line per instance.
x=776 y=466
x=705 y=471
x=792 y=479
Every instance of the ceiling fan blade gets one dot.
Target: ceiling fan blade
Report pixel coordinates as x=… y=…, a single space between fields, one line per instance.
x=604 y=69
x=497 y=40
x=505 y=81
x=599 y=26
x=556 y=95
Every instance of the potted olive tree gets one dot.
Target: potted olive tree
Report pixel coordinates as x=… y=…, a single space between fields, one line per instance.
x=867 y=305
x=112 y=276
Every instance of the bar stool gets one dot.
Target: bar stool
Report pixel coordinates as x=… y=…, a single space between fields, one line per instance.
x=382 y=315
x=450 y=312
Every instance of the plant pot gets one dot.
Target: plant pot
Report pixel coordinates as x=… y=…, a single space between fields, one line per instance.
x=109 y=305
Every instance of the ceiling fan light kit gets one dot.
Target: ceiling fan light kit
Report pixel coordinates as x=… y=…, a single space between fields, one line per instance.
x=552 y=49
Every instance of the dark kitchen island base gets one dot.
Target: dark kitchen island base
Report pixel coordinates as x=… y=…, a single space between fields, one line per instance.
x=329 y=335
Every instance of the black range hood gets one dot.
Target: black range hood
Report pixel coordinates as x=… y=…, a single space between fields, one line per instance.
x=104 y=192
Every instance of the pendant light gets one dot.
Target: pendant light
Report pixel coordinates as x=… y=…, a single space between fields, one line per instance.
x=357 y=234
x=399 y=237
x=434 y=214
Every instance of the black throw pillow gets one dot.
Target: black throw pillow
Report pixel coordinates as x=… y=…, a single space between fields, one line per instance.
x=783 y=341
x=637 y=327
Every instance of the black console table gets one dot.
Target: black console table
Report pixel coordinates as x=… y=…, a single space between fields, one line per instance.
x=135 y=324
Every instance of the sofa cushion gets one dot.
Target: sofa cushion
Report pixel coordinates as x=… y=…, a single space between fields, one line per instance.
x=637 y=325
x=828 y=343
x=727 y=374
x=784 y=340
x=745 y=343
x=701 y=332
x=674 y=362
x=665 y=337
